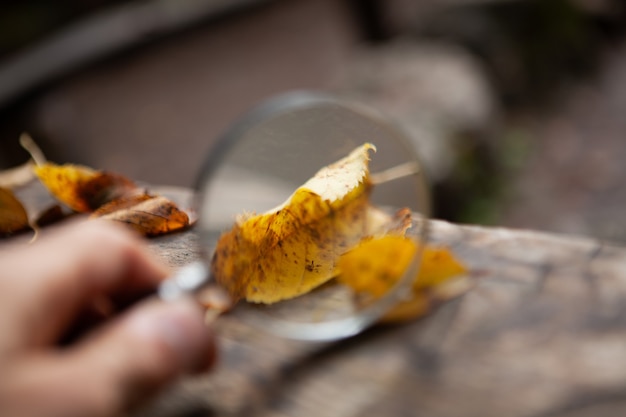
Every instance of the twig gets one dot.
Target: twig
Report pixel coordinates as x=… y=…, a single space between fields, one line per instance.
x=394 y=173
x=31 y=147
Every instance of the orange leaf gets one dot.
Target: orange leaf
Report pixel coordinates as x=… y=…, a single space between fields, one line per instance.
x=149 y=215
x=13 y=216
x=109 y=196
x=81 y=188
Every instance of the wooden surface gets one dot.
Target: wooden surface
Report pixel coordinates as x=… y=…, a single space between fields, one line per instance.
x=542 y=333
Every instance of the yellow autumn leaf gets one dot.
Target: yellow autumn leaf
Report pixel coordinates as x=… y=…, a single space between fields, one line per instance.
x=376 y=265
x=81 y=188
x=438 y=266
x=106 y=195
x=293 y=248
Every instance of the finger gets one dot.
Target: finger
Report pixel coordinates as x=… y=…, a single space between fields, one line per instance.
x=118 y=368
x=45 y=285
x=152 y=345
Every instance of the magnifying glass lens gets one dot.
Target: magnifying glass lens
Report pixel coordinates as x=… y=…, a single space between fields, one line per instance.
x=274 y=238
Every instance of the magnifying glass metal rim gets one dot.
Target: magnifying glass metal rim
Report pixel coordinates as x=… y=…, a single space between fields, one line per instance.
x=273 y=107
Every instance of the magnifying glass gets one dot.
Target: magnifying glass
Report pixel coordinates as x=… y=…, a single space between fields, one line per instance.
x=259 y=163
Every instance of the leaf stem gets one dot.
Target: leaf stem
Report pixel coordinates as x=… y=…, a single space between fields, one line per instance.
x=399 y=171
x=31 y=147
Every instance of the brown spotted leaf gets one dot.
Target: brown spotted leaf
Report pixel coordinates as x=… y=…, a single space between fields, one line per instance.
x=149 y=215
x=81 y=188
x=293 y=248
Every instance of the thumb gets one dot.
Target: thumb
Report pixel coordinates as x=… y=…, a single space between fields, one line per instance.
x=149 y=347
x=113 y=370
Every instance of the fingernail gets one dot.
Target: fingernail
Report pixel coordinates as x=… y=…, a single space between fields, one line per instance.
x=179 y=325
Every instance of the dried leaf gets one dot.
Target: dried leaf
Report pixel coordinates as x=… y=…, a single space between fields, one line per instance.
x=51 y=215
x=121 y=204
x=438 y=266
x=424 y=301
x=293 y=248
x=81 y=188
x=13 y=216
x=110 y=196
x=375 y=266
x=149 y=215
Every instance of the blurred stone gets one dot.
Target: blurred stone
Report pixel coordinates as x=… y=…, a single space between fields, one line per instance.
x=433 y=91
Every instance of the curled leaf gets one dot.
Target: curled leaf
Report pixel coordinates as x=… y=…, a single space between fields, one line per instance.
x=81 y=188
x=13 y=216
x=51 y=215
x=376 y=265
x=121 y=204
x=108 y=195
x=293 y=248
x=438 y=265
x=112 y=197
x=149 y=215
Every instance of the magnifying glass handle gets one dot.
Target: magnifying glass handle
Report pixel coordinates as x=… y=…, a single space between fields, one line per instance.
x=187 y=280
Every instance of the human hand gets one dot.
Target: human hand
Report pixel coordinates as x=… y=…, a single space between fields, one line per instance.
x=45 y=290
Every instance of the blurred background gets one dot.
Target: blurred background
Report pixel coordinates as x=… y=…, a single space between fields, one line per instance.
x=518 y=107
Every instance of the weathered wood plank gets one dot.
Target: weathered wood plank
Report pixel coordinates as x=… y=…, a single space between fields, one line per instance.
x=543 y=332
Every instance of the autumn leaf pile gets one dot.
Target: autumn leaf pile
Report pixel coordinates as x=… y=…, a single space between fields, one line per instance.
x=113 y=197
x=102 y=194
